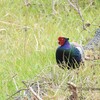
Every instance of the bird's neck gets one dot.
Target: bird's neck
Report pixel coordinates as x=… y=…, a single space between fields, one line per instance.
x=67 y=45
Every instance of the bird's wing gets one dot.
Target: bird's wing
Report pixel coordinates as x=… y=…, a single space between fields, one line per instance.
x=80 y=48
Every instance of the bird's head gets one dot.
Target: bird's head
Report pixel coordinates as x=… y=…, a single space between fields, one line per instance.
x=62 y=40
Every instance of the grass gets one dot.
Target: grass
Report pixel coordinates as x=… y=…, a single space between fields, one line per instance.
x=28 y=38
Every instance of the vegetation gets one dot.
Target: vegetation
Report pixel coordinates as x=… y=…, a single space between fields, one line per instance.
x=28 y=41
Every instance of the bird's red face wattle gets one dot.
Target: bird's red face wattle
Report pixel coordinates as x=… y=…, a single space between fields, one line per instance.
x=61 y=41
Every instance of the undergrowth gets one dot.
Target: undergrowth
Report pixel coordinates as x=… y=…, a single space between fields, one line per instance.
x=28 y=41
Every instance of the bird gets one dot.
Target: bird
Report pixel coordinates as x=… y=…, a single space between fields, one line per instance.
x=69 y=54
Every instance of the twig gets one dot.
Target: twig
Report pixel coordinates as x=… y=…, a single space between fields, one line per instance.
x=15 y=81
x=89 y=88
x=15 y=93
x=8 y=23
x=25 y=83
x=36 y=42
x=53 y=7
x=73 y=89
x=79 y=12
x=84 y=88
x=27 y=2
x=88 y=6
x=13 y=24
x=31 y=89
x=2 y=30
x=38 y=87
x=37 y=96
x=73 y=5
